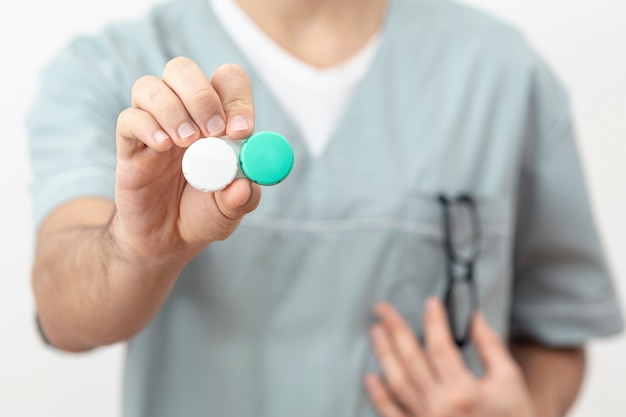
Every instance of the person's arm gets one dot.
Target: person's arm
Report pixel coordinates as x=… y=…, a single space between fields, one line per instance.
x=102 y=269
x=553 y=376
x=88 y=290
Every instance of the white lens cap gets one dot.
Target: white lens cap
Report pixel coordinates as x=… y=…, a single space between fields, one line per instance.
x=210 y=164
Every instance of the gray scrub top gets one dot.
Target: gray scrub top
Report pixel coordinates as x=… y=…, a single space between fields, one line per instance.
x=274 y=320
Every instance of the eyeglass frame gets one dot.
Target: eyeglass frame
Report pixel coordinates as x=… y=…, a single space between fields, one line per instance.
x=454 y=262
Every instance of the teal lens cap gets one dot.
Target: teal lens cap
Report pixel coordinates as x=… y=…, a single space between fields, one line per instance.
x=266 y=158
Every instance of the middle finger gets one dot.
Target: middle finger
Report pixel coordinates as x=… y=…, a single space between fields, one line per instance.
x=443 y=354
x=152 y=95
x=407 y=346
x=191 y=85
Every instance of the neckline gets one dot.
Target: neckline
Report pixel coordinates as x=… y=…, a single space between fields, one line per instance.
x=291 y=128
x=328 y=77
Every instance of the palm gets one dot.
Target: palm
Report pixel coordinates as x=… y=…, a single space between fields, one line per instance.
x=149 y=190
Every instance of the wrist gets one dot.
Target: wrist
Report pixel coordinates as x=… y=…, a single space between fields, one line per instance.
x=138 y=258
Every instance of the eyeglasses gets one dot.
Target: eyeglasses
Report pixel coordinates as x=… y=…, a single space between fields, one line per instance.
x=461 y=248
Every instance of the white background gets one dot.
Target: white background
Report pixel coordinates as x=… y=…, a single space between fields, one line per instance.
x=584 y=41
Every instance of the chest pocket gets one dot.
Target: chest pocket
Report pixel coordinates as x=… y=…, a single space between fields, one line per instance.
x=427 y=270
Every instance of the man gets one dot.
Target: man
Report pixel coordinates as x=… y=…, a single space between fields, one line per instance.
x=434 y=157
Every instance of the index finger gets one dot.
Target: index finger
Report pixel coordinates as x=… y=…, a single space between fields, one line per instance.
x=442 y=352
x=406 y=344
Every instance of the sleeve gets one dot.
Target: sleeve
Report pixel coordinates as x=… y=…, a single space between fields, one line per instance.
x=563 y=292
x=71 y=127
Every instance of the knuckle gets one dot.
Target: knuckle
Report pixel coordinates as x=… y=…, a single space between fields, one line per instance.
x=153 y=95
x=147 y=82
x=202 y=96
x=236 y=103
x=124 y=116
x=438 y=351
x=169 y=108
x=230 y=71
x=233 y=79
x=399 y=385
x=174 y=65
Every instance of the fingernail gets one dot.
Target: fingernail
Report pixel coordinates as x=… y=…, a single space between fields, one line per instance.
x=431 y=305
x=371 y=383
x=216 y=125
x=383 y=307
x=480 y=318
x=238 y=123
x=377 y=334
x=185 y=130
x=160 y=136
x=249 y=196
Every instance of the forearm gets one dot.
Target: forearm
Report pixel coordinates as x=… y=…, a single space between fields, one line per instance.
x=90 y=293
x=554 y=376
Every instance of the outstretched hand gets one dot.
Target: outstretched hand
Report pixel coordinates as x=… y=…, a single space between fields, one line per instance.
x=433 y=381
x=157 y=213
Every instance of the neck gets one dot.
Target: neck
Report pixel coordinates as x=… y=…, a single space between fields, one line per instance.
x=323 y=33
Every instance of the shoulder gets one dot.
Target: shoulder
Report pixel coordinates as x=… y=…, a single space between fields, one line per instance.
x=467 y=45
x=460 y=32
x=91 y=76
x=122 y=51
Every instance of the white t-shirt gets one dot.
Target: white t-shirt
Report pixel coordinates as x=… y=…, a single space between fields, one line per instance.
x=314 y=98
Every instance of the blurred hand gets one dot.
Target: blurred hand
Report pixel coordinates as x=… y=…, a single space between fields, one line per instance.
x=434 y=381
x=157 y=213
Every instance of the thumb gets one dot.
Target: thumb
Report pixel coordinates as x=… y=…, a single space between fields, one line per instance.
x=238 y=199
x=209 y=217
x=493 y=352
